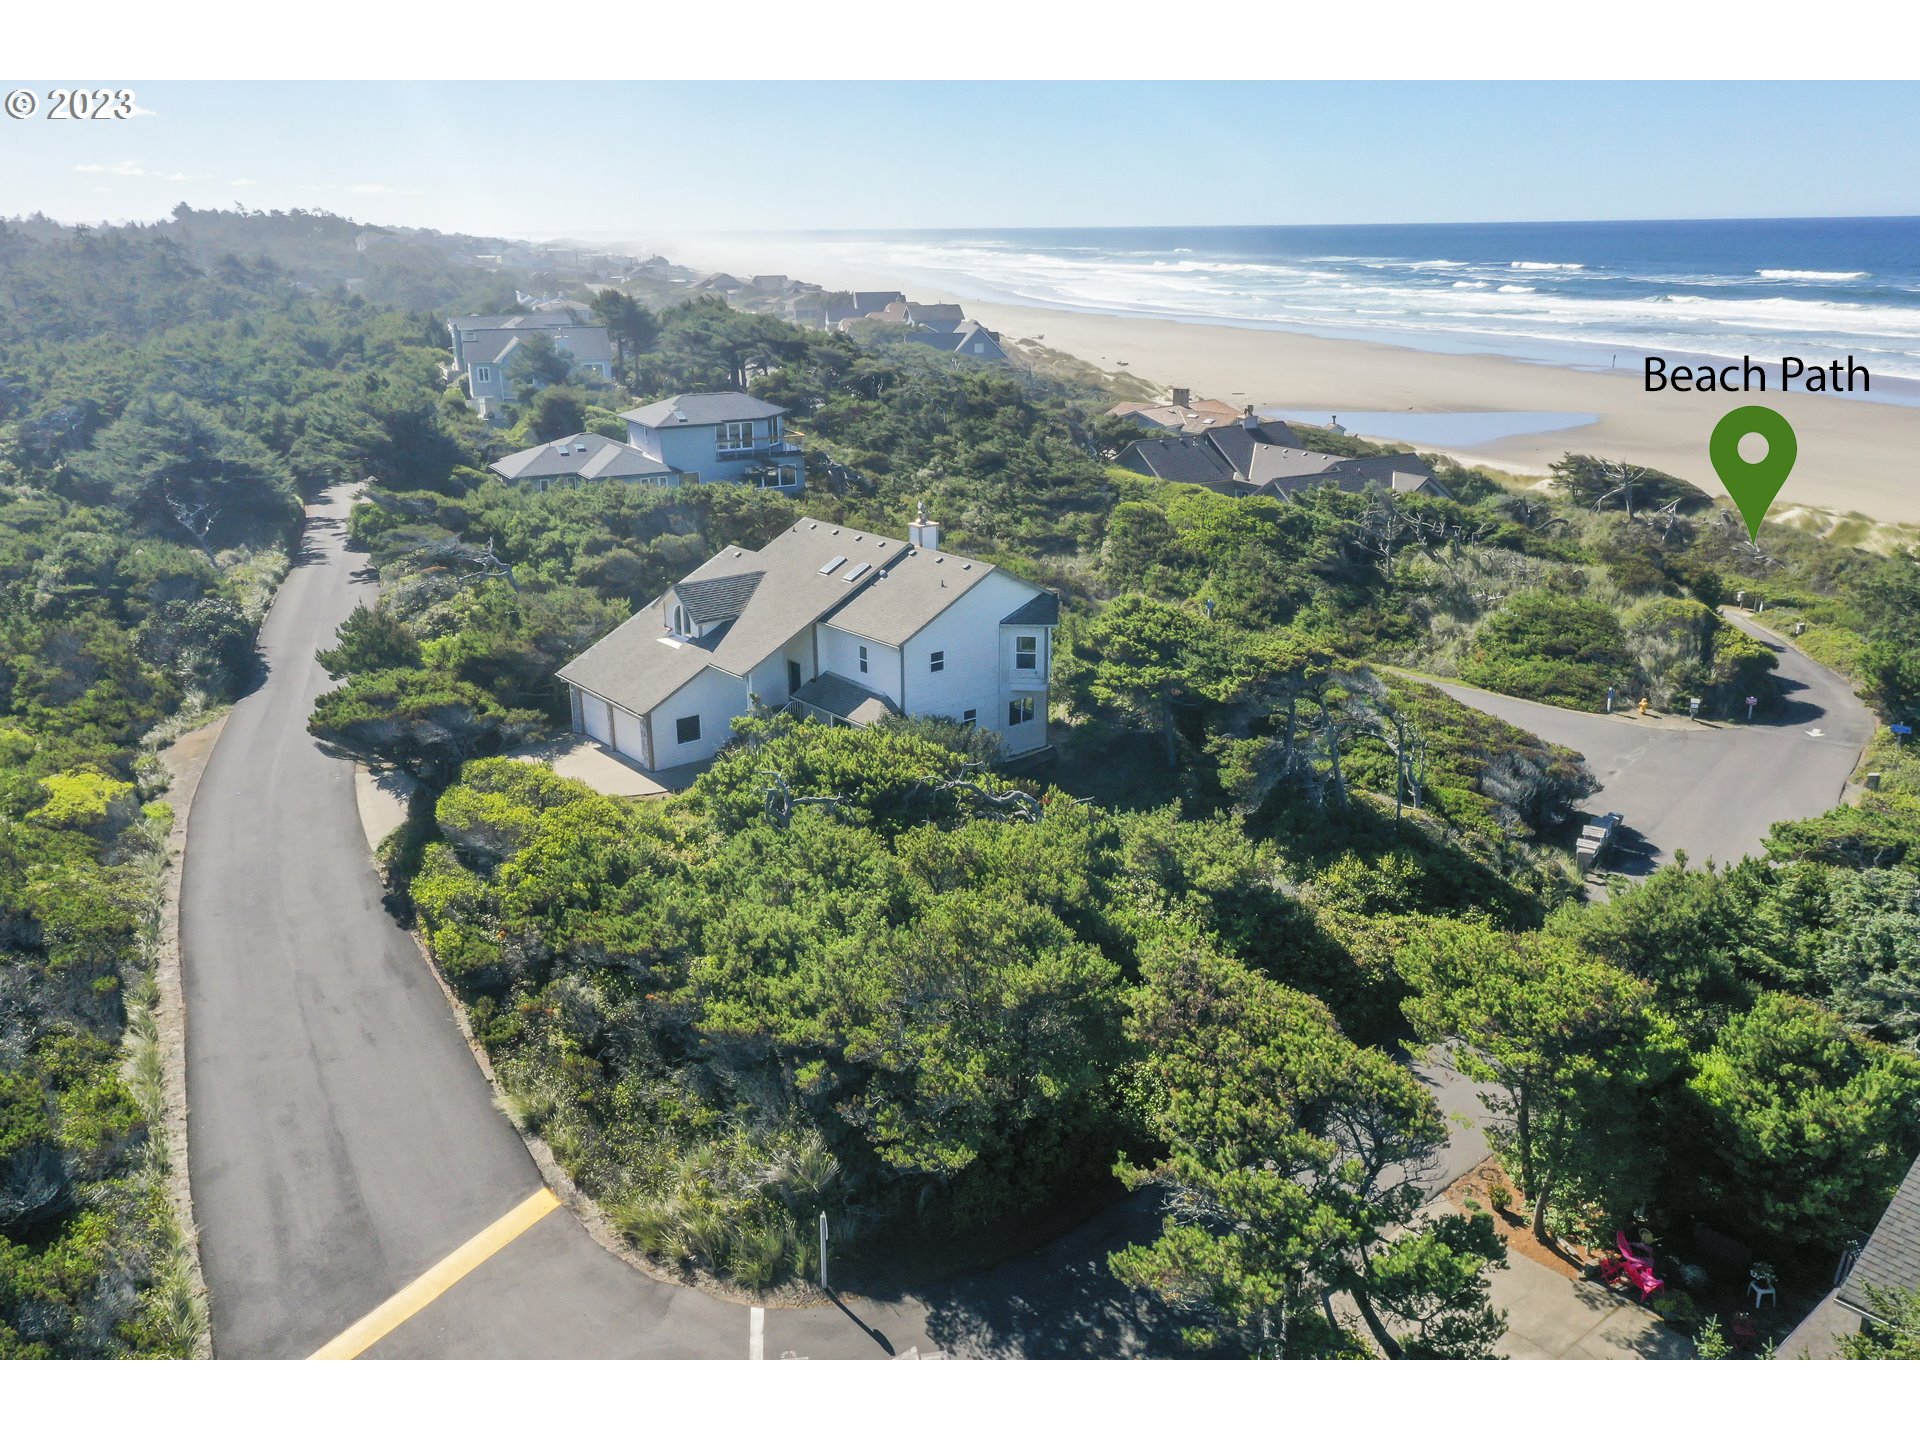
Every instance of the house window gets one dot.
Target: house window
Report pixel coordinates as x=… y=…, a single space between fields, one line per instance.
x=680 y=625
x=734 y=435
x=938 y=661
x=863 y=659
x=483 y=374
x=686 y=729
x=789 y=475
x=968 y=717
x=1026 y=652
x=1020 y=711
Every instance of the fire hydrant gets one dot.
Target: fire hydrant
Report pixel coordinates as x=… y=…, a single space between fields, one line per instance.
x=1643 y=704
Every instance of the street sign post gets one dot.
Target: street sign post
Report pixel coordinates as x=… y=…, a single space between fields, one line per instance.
x=823 y=1251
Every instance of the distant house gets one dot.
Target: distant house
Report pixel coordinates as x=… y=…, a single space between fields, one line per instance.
x=971 y=338
x=578 y=459
x=484 y=347
x=1183 y=413
x=719 y=283
x=1264 y=457
x=723 y=437
x=828 y=622
x=1889 y=1261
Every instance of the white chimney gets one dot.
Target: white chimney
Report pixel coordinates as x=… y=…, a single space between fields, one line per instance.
x=924 y=534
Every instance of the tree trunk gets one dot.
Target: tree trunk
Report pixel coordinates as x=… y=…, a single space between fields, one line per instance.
x=1389 y=1346
x=1540 y=1215
x=1523 y=1132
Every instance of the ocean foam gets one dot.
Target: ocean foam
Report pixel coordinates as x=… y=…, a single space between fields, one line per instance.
x=1813 y=274
x=1541 y=265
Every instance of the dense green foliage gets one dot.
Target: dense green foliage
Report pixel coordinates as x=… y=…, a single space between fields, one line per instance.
x=164 y=402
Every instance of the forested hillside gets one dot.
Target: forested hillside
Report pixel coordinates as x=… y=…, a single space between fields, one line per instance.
x=164 y=405
x=867 y=968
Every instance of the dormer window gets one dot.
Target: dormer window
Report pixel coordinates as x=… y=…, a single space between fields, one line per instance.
x=681 y=625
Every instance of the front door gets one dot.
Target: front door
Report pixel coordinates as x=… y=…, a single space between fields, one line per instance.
x=793 y=677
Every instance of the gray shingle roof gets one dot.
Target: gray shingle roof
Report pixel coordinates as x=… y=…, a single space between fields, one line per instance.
x=547 y=320
x=709 y=409
x=580 y=343
x=903 y=602
x=1042 y=609
x=840 y=696
x=1177 y=458
x=722 y=598
x=586 y=457
x=1891 y=1259
x=639 y=665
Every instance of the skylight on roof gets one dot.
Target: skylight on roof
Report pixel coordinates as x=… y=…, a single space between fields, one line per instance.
x=832 y=565
x=857 y=571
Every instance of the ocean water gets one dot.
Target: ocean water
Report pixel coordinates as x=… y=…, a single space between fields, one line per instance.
x=1576 y=293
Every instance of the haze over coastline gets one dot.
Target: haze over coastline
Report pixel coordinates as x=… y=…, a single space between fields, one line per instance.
x=1441 y=318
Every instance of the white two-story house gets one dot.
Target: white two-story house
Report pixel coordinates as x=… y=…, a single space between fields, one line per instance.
x=725 y=436
x=830 y=622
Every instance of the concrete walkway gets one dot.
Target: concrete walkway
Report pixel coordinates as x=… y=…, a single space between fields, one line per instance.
x=1553 y=1317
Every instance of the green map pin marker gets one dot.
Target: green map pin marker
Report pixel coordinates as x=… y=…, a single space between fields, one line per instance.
x=1753 y=483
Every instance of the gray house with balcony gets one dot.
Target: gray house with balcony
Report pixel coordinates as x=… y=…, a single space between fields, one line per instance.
x=724 y=437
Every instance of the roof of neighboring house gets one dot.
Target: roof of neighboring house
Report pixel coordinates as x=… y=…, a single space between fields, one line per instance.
x=1267 y=458
x=640 y=664
x=1042 y=609
x=715 y=408
x=867 y=301
x=581 y=343
x=1891 y=1259
x=547 y=320
x=957 y=340
x=942 y=314
x=587 y=456
x=722 y=598
x=1239 y=441
x=910 y=596
x=1176 y=458
x=1191 y=418
x=840 y=696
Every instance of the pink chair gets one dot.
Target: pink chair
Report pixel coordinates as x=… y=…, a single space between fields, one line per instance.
x=1634 y=1264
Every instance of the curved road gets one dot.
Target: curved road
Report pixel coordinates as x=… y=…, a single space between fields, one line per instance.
x=344 y=1142
x=1710 y=789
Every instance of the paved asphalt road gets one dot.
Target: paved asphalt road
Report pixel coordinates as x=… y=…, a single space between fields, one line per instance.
x=1712 y=790
x=344 y=1141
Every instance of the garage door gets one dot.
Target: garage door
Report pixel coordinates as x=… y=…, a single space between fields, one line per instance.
x=597 y=715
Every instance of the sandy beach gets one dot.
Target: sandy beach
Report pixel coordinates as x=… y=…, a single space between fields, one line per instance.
x=1854 y=456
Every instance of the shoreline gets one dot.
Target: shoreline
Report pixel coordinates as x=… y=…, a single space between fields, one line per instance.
x=1855 y=457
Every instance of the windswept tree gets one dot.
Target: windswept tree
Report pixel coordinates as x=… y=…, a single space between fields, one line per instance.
x=1293 y=1169
x=632 y=327
x=422 y=722
x=1148 y=660
x=182 y=472
x=1568 y=1046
